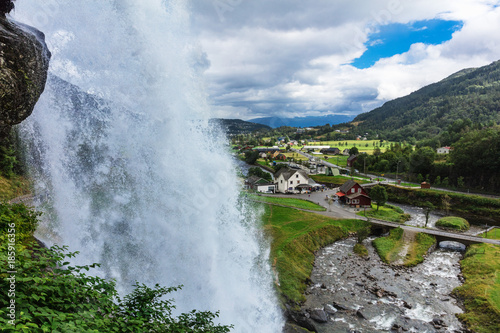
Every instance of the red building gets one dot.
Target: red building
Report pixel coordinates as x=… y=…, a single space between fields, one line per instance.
x=352 y=194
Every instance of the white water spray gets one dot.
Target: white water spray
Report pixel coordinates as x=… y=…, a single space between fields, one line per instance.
x=131 y=173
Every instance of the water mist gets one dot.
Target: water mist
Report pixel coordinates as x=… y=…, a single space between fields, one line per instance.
x=127 y=167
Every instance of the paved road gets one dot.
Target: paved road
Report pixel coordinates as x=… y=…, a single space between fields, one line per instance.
x=335 y=210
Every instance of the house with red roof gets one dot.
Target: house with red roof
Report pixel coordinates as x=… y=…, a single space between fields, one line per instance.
x=354 y=195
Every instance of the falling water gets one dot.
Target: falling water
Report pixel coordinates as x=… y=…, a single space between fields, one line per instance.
x=128 y=170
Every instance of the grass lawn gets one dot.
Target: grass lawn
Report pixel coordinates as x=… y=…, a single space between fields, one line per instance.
x=339 y=160
x=386 y=213
x=290 y=202
x=390 y=247
x=296 y=156
x=493 y=234
x=481 y=290
x=410 y=185
x=296 y=235
x=335 y=180
x=453 y=222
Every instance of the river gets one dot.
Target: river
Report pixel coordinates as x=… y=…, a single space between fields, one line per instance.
x=352 y=294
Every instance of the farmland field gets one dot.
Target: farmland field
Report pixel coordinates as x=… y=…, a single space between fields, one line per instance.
x=367 y=146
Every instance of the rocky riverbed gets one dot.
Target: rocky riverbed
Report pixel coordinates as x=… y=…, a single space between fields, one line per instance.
x=353 y=294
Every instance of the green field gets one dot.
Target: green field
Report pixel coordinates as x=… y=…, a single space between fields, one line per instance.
x=296 y=156
x=386 y=213
x=296 y=235
x=290 y=202
x=367 y=146
x=335 y=180
x=481 y=290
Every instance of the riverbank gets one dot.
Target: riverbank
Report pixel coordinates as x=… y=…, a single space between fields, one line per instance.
x=349 y=293
x=299 y=235
x=481 y=291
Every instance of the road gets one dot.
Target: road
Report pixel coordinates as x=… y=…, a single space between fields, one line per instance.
x=336 y=210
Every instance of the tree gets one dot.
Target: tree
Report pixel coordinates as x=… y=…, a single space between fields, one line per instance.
x=354 y=151
x=379 y=194
x=363 y=234
x=428 y=208
x=446 y=204
x=256 y=171
x=251 y=156
x=421 y=160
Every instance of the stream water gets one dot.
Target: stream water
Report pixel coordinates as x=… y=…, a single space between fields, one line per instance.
x=352 y=294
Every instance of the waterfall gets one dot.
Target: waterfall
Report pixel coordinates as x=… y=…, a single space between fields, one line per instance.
x=127 y=168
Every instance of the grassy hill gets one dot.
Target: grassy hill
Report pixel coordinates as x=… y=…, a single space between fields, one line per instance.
x=441 y=110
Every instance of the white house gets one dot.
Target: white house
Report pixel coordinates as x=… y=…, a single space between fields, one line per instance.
x=444 y=150
x=287 y=180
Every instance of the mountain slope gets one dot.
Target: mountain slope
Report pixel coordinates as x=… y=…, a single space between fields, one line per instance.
x=238 y=126
x=464 y=98
x=309 y=121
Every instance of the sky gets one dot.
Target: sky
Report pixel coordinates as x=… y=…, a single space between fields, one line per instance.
x=295 y=58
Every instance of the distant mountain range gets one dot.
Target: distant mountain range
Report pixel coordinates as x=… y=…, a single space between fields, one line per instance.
x=441 y=110
x=310 y=121
x=238 y=126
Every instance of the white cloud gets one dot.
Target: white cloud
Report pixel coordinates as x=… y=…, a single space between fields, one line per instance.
x=292 y=57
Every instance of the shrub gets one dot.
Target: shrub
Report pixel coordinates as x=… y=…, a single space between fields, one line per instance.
x=51 y=296
x=453 y=222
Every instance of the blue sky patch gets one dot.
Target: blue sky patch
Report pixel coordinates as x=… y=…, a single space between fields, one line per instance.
x=396 y=38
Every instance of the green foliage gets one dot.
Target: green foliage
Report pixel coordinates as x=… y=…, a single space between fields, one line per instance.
x=471 y=206
x=354 y=151
x=360 y=250
x=19 y=220
x=421 y=160
x=363 y=234
x=53 y=296
x=379 y=195
x=482 y=147
x=9 y=156
x=251 y=156
x=453 y=222
x=256 y=171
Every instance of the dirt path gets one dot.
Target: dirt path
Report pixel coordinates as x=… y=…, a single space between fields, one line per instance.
x=408 y=239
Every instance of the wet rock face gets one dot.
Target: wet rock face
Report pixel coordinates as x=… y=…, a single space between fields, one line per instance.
x=24 y=61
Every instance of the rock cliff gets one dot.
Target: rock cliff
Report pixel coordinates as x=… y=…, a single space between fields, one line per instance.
x=24 y=62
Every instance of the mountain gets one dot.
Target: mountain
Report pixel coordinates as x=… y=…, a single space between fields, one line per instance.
x=468 y=98
x=238 y=126
x=311 y=121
